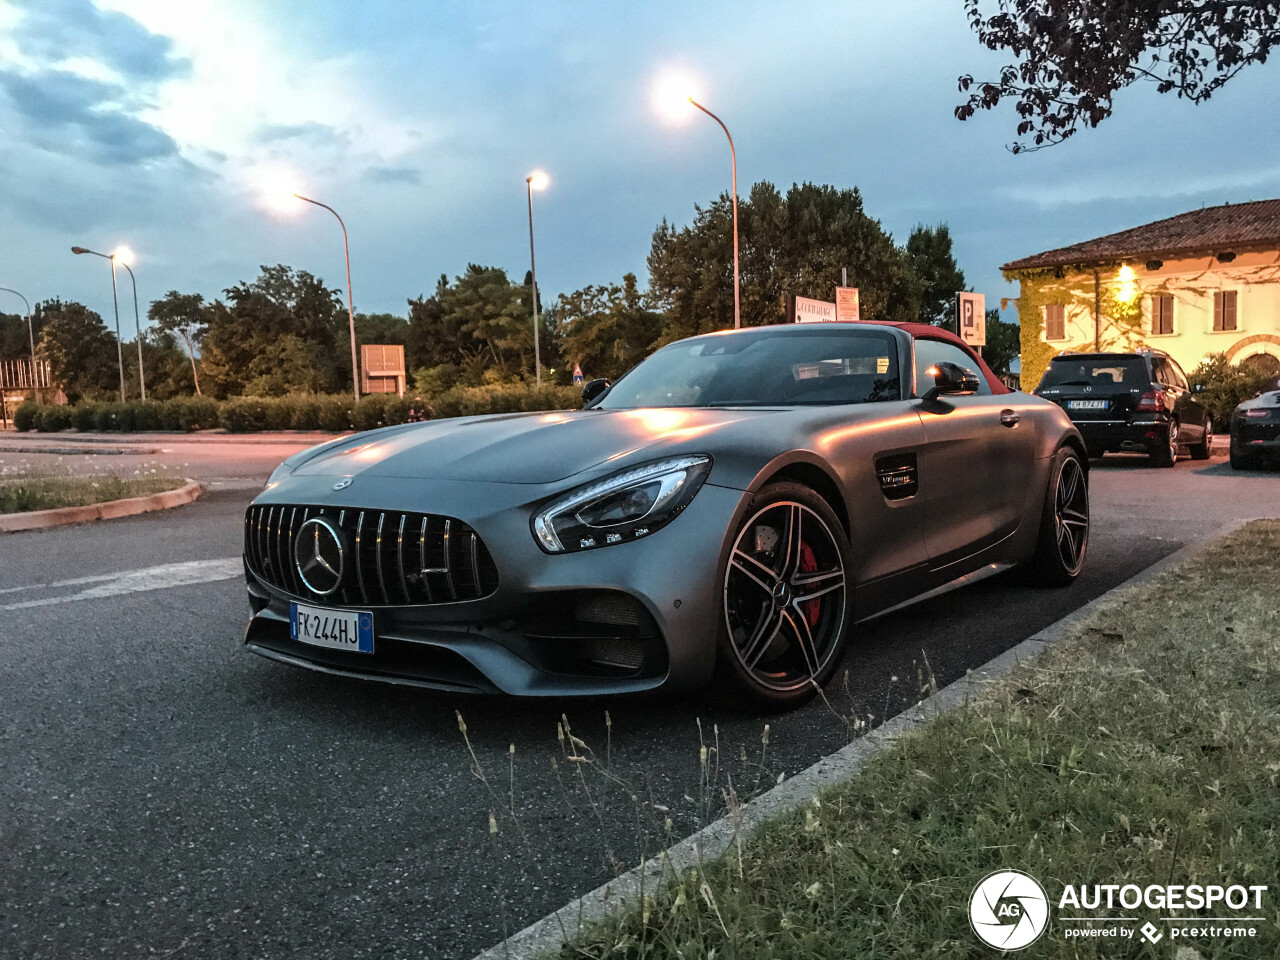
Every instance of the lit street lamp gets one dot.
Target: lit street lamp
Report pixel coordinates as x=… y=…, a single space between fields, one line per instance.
x=535 y=181
x=124 y=257
x=351 y=316
x=672 y=100
x=30 y=332
x=116 y=304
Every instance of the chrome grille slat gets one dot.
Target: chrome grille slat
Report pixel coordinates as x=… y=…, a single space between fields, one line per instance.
x=377 y=555
x=475 y=563
x=453 y=564
x=364 y=595
x=448 y=561
x=404 y=583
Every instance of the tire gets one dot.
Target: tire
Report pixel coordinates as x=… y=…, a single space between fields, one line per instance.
x=1242 y=461
x=1064 y=524
x=1204 y=449
x=786 y=600
x=1166 y=455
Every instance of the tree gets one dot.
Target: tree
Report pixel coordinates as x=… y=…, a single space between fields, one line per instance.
x=1073 y=56
x=1003 y=342
x=80 y=349
x=795 y=244
x=929 y=253
x=607 y=329
x=381 y=328
x=282 y=302
x=185 y=316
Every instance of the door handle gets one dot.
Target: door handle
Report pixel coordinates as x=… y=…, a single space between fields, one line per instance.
x=1008 y=418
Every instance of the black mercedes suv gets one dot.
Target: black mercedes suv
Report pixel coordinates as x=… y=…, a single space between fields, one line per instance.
x=1130 y=402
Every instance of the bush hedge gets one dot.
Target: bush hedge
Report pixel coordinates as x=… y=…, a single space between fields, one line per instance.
x=334 y=414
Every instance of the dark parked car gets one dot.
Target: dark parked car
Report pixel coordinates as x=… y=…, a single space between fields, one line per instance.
x=1130 y=402
x=1255 y=429
x=727 y=510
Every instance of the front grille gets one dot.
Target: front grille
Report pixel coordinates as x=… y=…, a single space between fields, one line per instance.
x=392 y=558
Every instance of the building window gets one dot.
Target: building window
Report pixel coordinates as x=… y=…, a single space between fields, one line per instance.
x=1055 y=322
x=1225 y=314
x=1162 y=315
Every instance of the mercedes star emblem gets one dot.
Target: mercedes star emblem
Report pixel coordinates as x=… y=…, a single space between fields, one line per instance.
x=343 y=483
x=318 y=554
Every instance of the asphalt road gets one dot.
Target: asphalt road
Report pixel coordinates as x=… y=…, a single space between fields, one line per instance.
x=166 y=793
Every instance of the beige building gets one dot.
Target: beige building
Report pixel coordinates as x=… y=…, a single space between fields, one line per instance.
x=1201 y=283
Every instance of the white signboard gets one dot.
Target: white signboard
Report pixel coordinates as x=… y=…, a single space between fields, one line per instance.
x=972 y=311
x=847 y=304
x=814 y=311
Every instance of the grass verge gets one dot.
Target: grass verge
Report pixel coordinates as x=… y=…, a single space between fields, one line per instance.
x=1144 y=749
x=25 y=488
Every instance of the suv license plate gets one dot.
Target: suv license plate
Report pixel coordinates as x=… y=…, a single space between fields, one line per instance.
x=350 y=630
x=1086 y=404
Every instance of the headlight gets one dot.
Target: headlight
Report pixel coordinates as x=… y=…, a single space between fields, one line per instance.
x=626 y=506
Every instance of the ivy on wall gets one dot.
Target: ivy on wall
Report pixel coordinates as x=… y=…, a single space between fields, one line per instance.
x=1121 y=314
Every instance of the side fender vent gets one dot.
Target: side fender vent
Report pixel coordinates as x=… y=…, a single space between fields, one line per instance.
x=898 y=477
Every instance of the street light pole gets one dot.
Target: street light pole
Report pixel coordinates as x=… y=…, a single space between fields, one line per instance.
x=351 y=316
x=533 y=274
x=115 y=302
x=31 y=335
x=733 y=156
x=137 y=326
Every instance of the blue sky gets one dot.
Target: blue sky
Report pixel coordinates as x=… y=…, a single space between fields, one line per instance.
x=160 y=125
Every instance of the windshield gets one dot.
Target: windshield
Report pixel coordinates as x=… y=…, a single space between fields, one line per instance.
x=1101 y=371
x=774 y=366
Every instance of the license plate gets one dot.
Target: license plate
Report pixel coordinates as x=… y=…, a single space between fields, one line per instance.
x=350 y=630
x=1086 y=404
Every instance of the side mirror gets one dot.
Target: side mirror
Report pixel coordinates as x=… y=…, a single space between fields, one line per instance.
x=951 y=379
x=594 y=390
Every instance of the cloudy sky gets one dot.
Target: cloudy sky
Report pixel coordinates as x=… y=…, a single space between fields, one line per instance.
x=160 y=125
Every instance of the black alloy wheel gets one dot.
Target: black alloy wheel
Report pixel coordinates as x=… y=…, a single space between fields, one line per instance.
x=1204 y=449
x=785 y=597
x=1064 y=524
x=1166 y=455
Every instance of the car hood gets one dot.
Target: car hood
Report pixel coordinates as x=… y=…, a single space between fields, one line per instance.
x=535 y=448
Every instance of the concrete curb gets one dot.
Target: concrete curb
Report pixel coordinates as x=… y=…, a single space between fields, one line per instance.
x=110 y=510
x=274 y=438
x=97 y=451
x=550 y=933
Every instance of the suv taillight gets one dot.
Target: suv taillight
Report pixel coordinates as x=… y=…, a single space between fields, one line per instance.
x=1151 y=401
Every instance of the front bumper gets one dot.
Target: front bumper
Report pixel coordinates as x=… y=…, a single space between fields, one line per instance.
x=629 y=617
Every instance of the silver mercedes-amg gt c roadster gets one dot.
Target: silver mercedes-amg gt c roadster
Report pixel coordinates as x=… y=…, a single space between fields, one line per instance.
x=728 y=511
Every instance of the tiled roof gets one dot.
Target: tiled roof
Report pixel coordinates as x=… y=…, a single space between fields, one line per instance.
x=1207 y=230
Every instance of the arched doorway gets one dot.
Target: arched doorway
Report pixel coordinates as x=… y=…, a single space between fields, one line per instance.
x=1263 y=364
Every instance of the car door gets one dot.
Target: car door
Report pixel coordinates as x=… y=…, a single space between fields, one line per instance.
x=977 y=462
x=1189 y=411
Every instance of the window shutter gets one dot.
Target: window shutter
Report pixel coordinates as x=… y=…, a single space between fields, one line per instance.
x=1229 y=310
x=1217 y=310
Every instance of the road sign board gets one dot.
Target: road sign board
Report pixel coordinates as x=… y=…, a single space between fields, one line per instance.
x=806 y=310
x=847 y=304
x=971 y=309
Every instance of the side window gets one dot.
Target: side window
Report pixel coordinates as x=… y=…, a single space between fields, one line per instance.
x=1179 y=378
x=929 y=352
x=1159 y=372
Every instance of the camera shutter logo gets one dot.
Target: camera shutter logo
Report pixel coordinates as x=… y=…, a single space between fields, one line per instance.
x=318 y=555
x=1009 y=910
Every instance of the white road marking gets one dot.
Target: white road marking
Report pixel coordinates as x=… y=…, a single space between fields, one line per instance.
x=131 y=581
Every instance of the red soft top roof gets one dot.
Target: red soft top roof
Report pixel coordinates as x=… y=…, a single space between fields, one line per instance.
x=927 y=331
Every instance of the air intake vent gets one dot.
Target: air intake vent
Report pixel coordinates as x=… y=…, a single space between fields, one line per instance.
x=389 y=558
x=897 y=475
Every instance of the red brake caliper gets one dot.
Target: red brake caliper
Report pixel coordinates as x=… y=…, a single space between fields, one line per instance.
x=809 y=564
